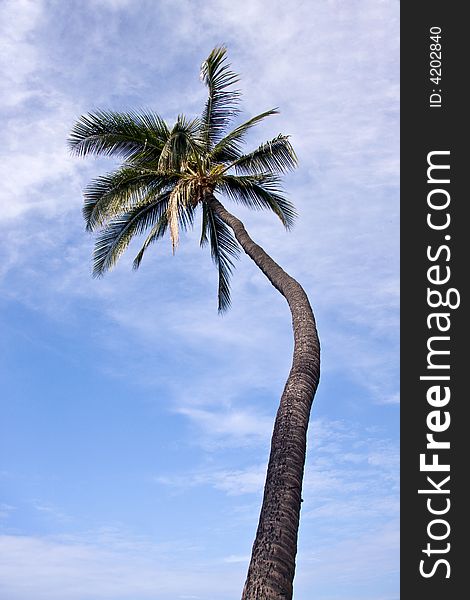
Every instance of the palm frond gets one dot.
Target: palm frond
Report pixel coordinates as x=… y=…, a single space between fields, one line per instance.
x=128 y=135
x=116 y=236
x=182 y=144
x=118 y=192
x=157 y=231
x=221 y=105
x=180 y=208
x=275 y=156
x=229 y=148
x=185 y=220
x=261 y=191
x=224 y=248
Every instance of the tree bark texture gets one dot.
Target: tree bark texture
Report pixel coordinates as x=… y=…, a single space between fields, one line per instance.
x=272 y=566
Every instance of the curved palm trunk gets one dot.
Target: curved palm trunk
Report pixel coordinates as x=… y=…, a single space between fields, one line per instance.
x=272 y=566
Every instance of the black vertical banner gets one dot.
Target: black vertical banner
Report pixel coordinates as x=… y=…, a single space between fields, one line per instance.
x=434 y=297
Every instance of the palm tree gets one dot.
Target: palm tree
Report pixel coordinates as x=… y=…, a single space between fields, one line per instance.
x=167 y=174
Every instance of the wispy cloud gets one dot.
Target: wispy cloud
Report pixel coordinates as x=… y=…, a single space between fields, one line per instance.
x=6 y=510
x=105 y=565
x=231 y=426
x=18 y=59
x=51 y=511
x=238 y=482
x=350 y=476
x=357 y=563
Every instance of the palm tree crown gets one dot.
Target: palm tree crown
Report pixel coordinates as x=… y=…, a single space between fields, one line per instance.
x=167 y=172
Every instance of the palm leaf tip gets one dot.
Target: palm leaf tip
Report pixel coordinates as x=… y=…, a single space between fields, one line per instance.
x=215 y=64
x=222 y=103
x=157 y=231
x=128 y=135
x=224 y=249
x=275 y=156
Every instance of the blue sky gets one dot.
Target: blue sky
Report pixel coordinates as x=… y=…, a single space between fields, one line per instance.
x=135 y=420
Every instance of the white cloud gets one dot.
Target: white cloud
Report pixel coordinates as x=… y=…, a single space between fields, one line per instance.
x=350 y=475
x=105 y=565
x=51 y=511
x=356 y=564
x=236 y=558
x=112 y=4
x=36 y=119
x=234 y=483
x=231 y=426
x=18 y=56
x=6 y=510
